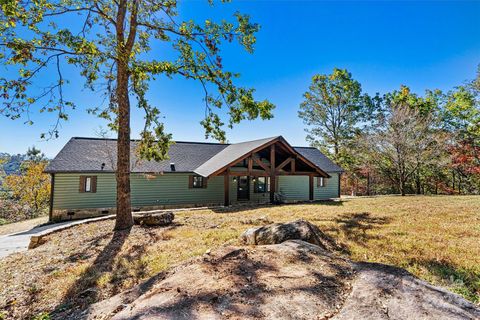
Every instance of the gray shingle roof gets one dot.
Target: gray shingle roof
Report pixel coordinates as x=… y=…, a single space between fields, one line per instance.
x=230 y=154
x=318 y=158
x=88 y=155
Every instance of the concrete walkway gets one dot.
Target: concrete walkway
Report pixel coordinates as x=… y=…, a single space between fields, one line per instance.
x=17 y=242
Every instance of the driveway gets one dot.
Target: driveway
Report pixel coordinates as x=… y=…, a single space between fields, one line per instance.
x=17 y=242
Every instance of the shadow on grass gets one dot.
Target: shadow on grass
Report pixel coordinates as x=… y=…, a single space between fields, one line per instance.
x=465 y=282
x=251 y=206
x=333 y=203
x=110 y=265
x=356 y=226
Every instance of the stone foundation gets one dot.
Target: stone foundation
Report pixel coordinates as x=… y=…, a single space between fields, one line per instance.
x=63 y=214
x=82 y=213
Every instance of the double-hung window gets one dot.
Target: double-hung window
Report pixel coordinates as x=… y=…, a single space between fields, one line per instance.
x=197 y=182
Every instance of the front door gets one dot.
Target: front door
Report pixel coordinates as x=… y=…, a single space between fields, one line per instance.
x=243 y=188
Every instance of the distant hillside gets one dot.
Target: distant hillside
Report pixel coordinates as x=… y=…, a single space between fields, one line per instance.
x=13 y=163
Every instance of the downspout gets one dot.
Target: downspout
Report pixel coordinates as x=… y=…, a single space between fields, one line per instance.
x=52 y=189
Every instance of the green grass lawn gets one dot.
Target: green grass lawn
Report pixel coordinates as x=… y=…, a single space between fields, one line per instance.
x=436 y=238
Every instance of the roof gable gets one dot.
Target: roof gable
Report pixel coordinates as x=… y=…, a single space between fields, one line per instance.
x=230 y=154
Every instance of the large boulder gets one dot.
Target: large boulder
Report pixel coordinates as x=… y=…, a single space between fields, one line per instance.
x=160 y=218
x=291 y=280
x=295 y=230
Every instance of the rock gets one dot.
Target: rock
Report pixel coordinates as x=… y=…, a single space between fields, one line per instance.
x=295 y=230
x=291 y=280
x=382 y=292
x=154 y=218
x=36 y=241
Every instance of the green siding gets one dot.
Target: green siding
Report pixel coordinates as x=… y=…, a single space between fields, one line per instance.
x=330 y=190
x=66 y=195
x=293 y=187
x=297 y=188
x=172 y=189
x=167 y=189
x=233 y=190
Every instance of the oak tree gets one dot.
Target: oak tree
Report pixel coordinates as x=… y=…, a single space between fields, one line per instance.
x=332 y=109
x=110 y=44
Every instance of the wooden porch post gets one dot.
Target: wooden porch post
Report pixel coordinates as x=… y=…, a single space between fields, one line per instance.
x=310 y=187
x=250 y=165
x=226 y=189
x=272 y=173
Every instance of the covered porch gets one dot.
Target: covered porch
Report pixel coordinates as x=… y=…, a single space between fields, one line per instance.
x=259 y=165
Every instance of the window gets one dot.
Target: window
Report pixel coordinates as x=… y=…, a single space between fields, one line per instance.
x=260 y=185
x=88 y=184
x=197 y=182
x=320 y=182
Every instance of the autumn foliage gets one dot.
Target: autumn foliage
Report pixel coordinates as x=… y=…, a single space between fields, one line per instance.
x=30 y=189
x=396 y=142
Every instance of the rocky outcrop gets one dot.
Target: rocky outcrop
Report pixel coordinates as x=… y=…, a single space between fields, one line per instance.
x=293 y=279
x=295 y=230
x=381 y=292
x=154 y=218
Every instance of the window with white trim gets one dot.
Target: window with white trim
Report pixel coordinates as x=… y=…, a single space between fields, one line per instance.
x=320 y=182
x=88 y=184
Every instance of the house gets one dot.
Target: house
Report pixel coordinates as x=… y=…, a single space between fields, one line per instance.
x=196 y=174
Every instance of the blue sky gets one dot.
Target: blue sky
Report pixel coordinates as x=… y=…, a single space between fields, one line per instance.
x=425 y=45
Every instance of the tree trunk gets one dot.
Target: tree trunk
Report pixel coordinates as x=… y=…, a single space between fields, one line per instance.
x=453 y=180
x=418 y=184
x=353 y=186
x=368 y=183
x=124 y=219
x=459 y=184
x=402 y=187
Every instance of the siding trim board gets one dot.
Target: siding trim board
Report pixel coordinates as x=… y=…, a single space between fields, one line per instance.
x=52 y=192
